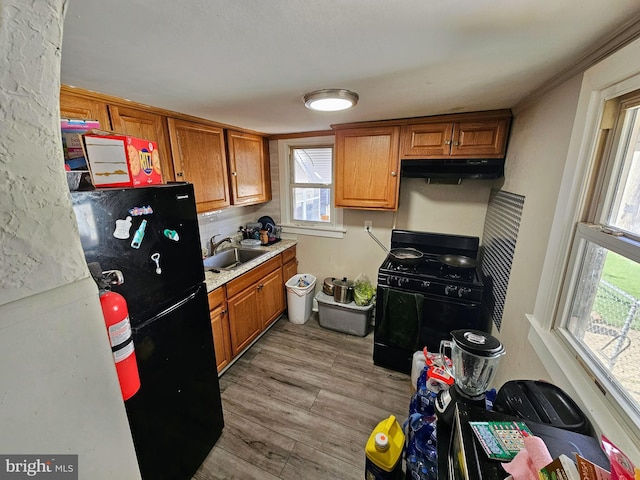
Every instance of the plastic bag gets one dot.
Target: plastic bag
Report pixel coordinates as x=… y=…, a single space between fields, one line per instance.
x=363 y=290
x=621 y=467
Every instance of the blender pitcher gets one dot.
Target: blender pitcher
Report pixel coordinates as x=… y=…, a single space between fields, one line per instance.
x=475 y=356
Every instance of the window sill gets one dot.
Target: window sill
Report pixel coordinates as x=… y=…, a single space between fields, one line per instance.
x=330 y=232
x=570 y=376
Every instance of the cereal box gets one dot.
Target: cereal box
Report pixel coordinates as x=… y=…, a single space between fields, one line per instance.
x=122 y=161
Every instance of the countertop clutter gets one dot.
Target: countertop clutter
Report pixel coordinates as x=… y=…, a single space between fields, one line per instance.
x=215 y=280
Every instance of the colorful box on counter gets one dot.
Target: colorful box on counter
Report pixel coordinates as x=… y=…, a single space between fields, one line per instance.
x=72 y=130
x=122 y=161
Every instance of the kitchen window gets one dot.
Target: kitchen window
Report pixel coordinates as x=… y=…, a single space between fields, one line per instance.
x=600 y=318
x=307 y=187
x=583 y=327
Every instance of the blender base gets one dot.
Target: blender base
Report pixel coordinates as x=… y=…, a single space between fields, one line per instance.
x=446 y=403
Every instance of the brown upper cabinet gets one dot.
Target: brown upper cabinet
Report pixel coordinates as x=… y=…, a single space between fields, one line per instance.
x=248 y=168
x=199 y=158
x=472 y=138
x=79 y=107
x=145 y=125
x=367 y=168
x=368 y=154
x=227 y=166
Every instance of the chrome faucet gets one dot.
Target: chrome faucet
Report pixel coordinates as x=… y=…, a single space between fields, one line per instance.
x=215 y=245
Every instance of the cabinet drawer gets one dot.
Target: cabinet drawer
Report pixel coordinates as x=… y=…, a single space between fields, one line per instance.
x=216 y=298
x=237 y=285
x=289 y=254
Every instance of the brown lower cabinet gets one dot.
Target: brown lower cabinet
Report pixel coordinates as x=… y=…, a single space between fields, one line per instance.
x=289 y=264
x=254 y=301
x=220 y=326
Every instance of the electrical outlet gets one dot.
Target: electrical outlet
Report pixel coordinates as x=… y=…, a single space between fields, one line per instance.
x=368 y=224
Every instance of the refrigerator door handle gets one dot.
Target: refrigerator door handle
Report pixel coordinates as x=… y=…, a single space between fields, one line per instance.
x=168 y=310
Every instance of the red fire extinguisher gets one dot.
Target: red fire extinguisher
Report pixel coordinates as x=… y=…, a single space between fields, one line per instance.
x=116 y=318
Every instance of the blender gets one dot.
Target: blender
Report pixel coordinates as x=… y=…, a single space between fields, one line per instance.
x=474 y=361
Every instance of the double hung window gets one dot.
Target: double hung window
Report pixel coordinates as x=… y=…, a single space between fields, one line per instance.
x=311 y=182
x=600 y=312
x=307 y=187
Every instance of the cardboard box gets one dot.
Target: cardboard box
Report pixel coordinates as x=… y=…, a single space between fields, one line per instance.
x=72 y=130
x=122 y=161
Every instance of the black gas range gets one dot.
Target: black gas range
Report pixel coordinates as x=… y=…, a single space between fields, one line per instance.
x=420 y=303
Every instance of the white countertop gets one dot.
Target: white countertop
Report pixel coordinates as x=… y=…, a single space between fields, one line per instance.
x=215 y=280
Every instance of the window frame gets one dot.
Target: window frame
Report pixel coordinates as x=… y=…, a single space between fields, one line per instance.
x=613 y=77
x=331 y=229
x=293 y=185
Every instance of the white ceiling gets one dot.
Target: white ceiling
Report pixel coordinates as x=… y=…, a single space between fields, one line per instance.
x=249 y=62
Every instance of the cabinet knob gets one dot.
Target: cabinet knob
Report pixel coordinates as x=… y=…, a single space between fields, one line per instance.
x=179 y=174
x=447 y=142
x=456 y=143
x=234 y=174
x=224 y=312
x=393 y=174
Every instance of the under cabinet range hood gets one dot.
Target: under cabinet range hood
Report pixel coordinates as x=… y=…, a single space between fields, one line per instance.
x=474 y=168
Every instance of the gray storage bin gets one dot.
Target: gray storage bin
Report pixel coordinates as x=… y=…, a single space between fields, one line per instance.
x=343 y=317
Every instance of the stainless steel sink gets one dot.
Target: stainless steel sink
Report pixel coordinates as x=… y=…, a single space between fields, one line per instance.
x=231 y=258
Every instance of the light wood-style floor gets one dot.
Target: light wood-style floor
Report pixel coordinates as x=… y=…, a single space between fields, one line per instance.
x=301 y=404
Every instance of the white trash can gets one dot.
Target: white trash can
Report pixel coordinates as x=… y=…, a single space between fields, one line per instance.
x=300 y=289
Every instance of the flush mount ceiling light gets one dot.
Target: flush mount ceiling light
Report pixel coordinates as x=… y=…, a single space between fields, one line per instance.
x=330 y=99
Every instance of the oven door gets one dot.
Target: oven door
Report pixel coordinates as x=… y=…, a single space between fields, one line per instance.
x=399 y=315
x=407 y=321
x=441 y=315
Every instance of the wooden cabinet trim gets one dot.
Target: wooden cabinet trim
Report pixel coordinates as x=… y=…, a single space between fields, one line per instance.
x=111 y=100
x=452 y=117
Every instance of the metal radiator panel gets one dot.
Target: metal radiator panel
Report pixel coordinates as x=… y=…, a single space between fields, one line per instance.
x=499 y=238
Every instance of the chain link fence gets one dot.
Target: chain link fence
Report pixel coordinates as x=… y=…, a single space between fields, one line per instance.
x=613 y=335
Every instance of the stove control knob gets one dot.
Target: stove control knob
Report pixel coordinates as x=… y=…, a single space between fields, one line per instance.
x=464 y=292
x=426 y=284
x=450 y=290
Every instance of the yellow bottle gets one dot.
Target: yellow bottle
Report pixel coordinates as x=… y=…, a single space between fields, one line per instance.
x=384 y=451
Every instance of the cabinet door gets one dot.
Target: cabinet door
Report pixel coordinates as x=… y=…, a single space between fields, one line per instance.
x=245 y=319
x=367 y=168
x=83 y=108
x=271 y=297
x=221 y=341
x=484 y=139
x=220 y=326
x=199 y=157
x=147 y=126
x=432 y=140
x=249 y=168
x=289 y=269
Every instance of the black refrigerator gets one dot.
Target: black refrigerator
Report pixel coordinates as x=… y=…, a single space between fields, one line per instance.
x=151 y=235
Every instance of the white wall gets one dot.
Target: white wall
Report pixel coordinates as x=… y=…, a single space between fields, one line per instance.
x=58 y=388
x=535 y=162
x=454 y=209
